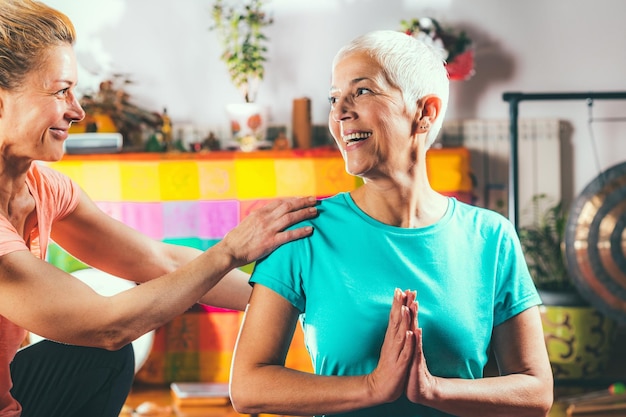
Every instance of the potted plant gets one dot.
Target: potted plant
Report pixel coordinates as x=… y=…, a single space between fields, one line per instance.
x=543 y=244
x=456 y=47
x=110 y=110
x=577 y=335
x=239 y=26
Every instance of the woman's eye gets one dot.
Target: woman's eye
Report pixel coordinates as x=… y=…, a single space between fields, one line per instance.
x=332 y=100
x=362 y=90
x=63 y=92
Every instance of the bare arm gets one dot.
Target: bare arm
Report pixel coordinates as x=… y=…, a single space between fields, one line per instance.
x=261 y=383
x=524 y=389
x=111 y=246
x=52 y=303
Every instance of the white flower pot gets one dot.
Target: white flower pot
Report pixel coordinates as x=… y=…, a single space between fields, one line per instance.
x=248 y=125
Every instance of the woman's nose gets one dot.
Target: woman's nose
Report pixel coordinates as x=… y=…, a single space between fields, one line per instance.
x=341 y=111
x=76 y=110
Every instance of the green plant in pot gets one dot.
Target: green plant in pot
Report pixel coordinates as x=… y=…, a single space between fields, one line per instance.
x=239 y=26
x=577 y=335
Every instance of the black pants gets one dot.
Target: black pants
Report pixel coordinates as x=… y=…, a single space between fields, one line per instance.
x=52 y=379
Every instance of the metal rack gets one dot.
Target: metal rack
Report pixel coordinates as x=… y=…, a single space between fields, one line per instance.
x=514 y=98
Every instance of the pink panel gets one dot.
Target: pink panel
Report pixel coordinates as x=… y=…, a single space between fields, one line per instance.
x=180 y=219
x=145 y=217
x=216 y=218
x=113 y=209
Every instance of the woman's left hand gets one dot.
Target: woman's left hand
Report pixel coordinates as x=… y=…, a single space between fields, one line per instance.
x=421 y=383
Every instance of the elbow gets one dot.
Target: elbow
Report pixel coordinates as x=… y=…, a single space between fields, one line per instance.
x=544 y=399
x=242 y=398
x=115 y=345
x=112 y=340
x=544 y=405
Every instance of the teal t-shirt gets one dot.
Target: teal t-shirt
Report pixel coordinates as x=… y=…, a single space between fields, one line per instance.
x=468 y=270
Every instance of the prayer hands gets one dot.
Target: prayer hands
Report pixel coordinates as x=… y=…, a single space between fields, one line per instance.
x=402 y=368
x=420 y=381
x=388 y=381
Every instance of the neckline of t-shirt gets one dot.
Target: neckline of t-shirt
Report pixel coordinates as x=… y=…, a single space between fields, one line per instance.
x=403 y=230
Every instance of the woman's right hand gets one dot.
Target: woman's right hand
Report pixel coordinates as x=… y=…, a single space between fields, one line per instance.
x=388 y=381
x=263 y=230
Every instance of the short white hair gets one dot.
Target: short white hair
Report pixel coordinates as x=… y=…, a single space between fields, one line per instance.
x=409 y=64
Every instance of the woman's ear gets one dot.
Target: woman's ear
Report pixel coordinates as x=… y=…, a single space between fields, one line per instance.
x=427 y=112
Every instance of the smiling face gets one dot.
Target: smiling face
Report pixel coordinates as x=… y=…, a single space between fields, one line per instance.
x=368 y=118
x=35 y=118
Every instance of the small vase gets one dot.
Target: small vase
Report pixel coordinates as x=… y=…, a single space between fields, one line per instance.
x=248 y=125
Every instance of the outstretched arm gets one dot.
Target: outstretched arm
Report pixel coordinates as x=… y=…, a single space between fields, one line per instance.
x=260 y=383
x=41 y=298
x=113 y=247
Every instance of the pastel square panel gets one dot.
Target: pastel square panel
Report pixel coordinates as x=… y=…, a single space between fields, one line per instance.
x=449 y=169
x=140 y=181
x=220 y=330
x=103 y=180
x=145 y=217
x=216 y=218
x=180 y=219
x=182 y=366
x=246 y=207
x=179 y=180
x=215 y=365
x=60 y=258
x=192 y=242
x=73 y=169
x=295 y=177
x=256 y=178
x=113 y=209
x=331 y=177
x=217 y=180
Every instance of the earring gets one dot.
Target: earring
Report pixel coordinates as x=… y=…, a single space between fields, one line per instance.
x=423 y=127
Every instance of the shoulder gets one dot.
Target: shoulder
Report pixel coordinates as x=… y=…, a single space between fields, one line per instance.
x=53 y=190
x=42 y=175
x=481 y=219
x=329 y=210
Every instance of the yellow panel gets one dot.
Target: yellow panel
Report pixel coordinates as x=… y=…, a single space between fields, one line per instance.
x=140 y=181
x=295 y=177
x=215 y=366
x=448 y=170
x=331 y=177
x=179 y=180
x=102 y=180
x=217 y=180
x=73 y=169
x=256 y=178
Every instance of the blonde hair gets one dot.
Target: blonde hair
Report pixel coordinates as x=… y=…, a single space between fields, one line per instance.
x=27 y=30
x=408 y=64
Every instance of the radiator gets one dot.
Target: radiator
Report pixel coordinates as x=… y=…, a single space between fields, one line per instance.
x=539 y=163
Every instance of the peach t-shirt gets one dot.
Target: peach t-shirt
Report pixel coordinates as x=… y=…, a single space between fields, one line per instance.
x=55 y=197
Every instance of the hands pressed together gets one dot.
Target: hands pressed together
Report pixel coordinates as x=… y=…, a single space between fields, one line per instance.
x=402 y=368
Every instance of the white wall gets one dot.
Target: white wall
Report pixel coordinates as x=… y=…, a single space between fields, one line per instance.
x=527 y=46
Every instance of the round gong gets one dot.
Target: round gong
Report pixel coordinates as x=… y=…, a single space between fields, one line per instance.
x=595 y=242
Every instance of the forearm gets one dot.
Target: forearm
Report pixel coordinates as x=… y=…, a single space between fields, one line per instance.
x=511 y=395
x=155 y=302
x=232 y=292
x=274 y=389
